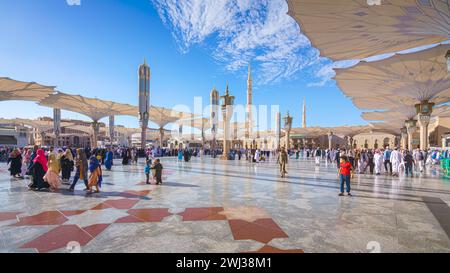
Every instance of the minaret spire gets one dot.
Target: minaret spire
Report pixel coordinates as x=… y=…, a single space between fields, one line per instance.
x=304 y=114
x=249 y=117
x=249 y=86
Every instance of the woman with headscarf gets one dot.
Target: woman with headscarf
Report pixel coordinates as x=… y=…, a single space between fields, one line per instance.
x=95 y=178
x=81 y=170
x=26 y=161
x=109 y=159
x=66 y=165
x=38 y=170
x=125 y=156
x=180 y=155
x=15 y=158
x=52 y=174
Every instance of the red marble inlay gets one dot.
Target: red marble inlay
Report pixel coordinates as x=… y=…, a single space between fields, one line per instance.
x=121 y=203
x=203 y=214
x=43 y=218
x=150 y=215
x=8 y=215
x=134 y=194
x=58 y=238
x=95 y=230
x=263 y=230
x=101 y=206
x=117 y=204
x=129 y=219
x=271 y=249
x=68 y=213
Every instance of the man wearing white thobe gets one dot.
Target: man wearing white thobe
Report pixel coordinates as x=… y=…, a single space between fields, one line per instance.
x=396 y=159
x=378 y=160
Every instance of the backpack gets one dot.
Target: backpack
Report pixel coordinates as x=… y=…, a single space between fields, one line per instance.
x=420 y=156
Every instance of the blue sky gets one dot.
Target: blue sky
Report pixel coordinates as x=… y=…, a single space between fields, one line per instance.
x=94 y=50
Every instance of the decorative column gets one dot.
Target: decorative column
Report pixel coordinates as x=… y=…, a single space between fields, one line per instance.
x=111 y=129
x=144 y=101
x=203 y=136
x=56 y=125
x=278 y=130
x=330 y=138
x=404 y=138
x=350 y=141
x=227 y=102
x=43 y=134
x=410 y=125
x=424 y=110
x=161 y=136
x=287 y=127
x=96 y=129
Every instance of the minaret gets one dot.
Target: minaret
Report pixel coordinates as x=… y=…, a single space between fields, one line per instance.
x=214 y=100
x=304 y=114
x=249 y=117
x=144 y=100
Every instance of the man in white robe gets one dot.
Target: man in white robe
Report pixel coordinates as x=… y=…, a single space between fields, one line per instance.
x=378 y=160
x=396 y=160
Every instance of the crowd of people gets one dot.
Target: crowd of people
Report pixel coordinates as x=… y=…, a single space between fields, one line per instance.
x=49 y=168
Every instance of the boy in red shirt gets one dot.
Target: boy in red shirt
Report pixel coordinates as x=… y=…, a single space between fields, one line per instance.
x=345 y=172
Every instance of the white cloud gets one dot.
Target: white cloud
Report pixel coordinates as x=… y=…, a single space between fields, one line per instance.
x=244 y=31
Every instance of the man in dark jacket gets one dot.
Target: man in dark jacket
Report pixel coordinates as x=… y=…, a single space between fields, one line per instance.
x=158 y=171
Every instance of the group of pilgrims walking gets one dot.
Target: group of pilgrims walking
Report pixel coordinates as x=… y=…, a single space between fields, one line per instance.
x=48 y=170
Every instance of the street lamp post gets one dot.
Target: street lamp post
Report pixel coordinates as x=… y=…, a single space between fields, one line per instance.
x=287 y=127
x=226 y=103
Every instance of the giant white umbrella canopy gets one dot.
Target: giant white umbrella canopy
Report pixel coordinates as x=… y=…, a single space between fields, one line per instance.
x=404 y=78
x=94 y=108
x=162 y=116
x=310 y=132
x=349 y=131
x=201 y=124
x=390 y=127
x=86 y=129
x=398 y=115
x=401 y=114
x=18 y=90
x=353 y=29
x=42 y=126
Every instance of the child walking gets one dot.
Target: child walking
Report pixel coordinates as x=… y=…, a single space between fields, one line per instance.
x=158 y=171
x=147 y=170
x=345 y=173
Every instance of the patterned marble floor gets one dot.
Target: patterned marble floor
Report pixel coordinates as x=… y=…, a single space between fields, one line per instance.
x=235 y=206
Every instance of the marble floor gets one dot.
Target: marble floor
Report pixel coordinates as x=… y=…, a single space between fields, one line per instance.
x=215 y=206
